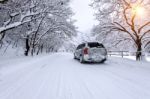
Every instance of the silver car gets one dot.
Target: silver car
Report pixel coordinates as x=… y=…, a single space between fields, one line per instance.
x=91 y=52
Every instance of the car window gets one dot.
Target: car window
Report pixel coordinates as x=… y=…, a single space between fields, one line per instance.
x=80 y=46
x=94 y=44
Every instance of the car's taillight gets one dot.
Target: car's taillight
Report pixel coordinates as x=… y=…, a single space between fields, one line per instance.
x=85 y=51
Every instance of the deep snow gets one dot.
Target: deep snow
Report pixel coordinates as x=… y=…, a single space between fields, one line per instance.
x=59 y=76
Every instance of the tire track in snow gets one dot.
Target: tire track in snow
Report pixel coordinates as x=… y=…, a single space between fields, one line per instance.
x=123 y=79
x=67 y=79
x=24 y=78
x=59 y=84
x=84 y=84
x=19 y=84
x=117 y=81
x=121 y=71
x=135 y=87
x=93 y=73
x=91 y=84
x=45 y=79
x=18 y=75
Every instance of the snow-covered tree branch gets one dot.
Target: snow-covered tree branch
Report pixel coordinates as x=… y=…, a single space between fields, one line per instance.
x=126 y=17
x=37 y=24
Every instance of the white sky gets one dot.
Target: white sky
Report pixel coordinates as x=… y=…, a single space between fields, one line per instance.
x=83 y=15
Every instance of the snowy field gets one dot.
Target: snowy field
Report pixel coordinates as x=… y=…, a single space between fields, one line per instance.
x=59 y=76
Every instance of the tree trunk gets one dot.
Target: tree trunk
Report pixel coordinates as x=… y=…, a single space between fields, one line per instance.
x=42 y=48
x=38 y=50
x=32 y=51
x=27 y=46
x=139 y=51
x=1 y=39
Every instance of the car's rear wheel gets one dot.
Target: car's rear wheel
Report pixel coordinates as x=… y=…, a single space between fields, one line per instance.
x=103 y=60
x=81 y=59
x=75 y=57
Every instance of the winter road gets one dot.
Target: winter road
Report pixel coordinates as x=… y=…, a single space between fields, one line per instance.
x=59 y=76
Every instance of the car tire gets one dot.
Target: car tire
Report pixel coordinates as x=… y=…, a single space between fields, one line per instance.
x=81 y=59
x=75 y=57
x=103 y=61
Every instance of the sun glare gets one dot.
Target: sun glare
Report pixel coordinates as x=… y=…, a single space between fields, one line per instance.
x=139 y=11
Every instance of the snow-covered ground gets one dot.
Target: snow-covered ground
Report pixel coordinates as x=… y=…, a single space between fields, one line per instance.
x=59 y=76
x=146 y=58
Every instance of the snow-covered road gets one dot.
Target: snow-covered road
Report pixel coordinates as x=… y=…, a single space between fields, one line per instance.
x=59 y=76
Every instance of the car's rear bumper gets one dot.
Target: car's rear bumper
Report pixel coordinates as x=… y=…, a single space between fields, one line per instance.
x=99 y=58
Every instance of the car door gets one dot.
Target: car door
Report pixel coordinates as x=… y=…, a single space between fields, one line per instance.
x=79 y=50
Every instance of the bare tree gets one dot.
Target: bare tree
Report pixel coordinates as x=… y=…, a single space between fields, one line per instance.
x=129 y=18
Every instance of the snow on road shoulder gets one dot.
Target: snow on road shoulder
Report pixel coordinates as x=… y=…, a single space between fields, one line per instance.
x=59 y=76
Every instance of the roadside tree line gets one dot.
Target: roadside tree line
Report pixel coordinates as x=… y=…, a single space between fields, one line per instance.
x=36 y=25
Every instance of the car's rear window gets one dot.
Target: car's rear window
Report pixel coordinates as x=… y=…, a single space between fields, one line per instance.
x=81 y=46
x=95 y=45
